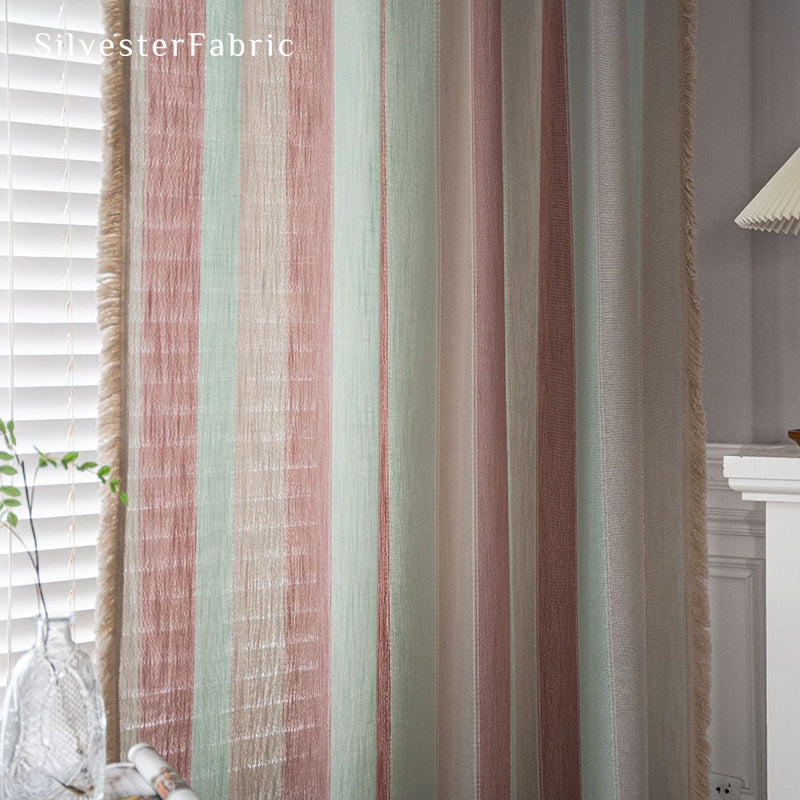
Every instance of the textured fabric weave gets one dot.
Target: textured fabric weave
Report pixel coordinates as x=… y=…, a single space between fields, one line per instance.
x=401 y=347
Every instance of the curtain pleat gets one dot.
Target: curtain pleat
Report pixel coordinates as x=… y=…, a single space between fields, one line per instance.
x=401 y=365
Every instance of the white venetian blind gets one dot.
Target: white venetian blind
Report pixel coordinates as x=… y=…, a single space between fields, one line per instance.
x=49 y=344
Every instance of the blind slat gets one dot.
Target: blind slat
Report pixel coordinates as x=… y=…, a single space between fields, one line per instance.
x=24 y=606
x=31 y=307
x=49 y=174
x=51 y=339
x=51 y=565
x=55 y=394
x=46 y=108
x=51 y=435
x=51 y=501
x=49 y=141
x=51 y=75
x=45 y=207
x=50 y=402
x=79 y=15
x=22 y=41
x=40 y=275
x=44 y=240
x=41 y=370
x=52 y=533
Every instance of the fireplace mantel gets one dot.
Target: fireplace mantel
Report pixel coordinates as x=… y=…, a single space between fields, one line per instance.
x=776 y=482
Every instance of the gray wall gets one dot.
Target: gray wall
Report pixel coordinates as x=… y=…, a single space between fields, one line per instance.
x=723 y=177
x=776 y=258
x=747 y=125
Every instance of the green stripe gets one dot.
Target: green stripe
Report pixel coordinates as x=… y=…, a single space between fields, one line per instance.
x=412 y=234
x=522 y=31
x=522 y=56
x=216 y=410
x=355 y=397
x=596 y=709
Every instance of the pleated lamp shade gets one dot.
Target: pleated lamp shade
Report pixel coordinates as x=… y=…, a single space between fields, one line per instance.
x=777 y=206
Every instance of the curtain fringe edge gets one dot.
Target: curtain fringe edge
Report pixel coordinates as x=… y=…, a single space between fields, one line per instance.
x=111 y=259
x=696 y=546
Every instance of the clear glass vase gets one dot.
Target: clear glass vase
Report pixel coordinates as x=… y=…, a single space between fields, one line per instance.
x=53 y=736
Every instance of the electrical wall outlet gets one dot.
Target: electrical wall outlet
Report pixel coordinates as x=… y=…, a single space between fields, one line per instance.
x=725 y=787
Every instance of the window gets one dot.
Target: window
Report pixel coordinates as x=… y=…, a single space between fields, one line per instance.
x=49 y=345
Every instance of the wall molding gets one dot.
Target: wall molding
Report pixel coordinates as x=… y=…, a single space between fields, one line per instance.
x=746 y=577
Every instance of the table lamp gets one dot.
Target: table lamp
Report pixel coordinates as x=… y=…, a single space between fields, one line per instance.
x=777 y=208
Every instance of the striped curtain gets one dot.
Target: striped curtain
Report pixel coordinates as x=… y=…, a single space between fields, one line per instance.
x=401 y=363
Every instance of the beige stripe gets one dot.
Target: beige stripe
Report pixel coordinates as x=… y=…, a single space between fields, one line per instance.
x=257 y=741
x=129 y=666
x=111 y=244
x=620 y=352
x=457 y=762
x=522 y=57
x=664 y=375
x=699 y=641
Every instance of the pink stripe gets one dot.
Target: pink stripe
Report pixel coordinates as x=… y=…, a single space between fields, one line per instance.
x=556 y=492
x=383 y=712
x=306 y=691
x=170 y=285
x=491 y=472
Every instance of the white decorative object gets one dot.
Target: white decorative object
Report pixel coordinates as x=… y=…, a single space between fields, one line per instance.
x=160 y=775
x=777 y=206
x=123 y=782
x=776 y=482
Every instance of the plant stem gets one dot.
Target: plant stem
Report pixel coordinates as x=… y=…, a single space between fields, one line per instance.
x=33 y=484
x=35 y=560
x=22 y=542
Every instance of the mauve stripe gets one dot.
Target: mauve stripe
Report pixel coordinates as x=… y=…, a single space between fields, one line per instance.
x=170 y=275
x=555 y=431
x=383 y=712
x=306 y=688
x=492 y=591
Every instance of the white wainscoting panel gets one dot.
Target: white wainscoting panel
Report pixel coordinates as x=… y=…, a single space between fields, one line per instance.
x=736 y=589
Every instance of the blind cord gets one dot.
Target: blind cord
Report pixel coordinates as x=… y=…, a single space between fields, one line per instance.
x=68 y=277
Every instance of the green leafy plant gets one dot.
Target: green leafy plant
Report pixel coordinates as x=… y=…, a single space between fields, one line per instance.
x=13 y=497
